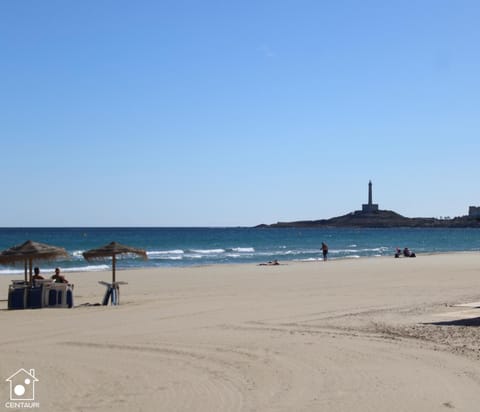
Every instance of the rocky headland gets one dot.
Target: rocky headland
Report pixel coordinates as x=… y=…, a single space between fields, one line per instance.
x=380 y=219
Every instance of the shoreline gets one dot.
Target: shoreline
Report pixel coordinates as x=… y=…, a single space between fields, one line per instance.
x=253 y=263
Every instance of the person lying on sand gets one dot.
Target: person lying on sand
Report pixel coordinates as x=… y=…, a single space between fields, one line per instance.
x=271 y=263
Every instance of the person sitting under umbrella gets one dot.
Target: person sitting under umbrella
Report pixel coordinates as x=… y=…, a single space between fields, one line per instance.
x=37 y=275
x=58 y=278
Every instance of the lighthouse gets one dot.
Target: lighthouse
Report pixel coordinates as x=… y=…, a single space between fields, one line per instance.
x=370 y=206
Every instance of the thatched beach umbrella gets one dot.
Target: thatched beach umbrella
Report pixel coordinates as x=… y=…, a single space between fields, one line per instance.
x=30 y=251
x=112 y=250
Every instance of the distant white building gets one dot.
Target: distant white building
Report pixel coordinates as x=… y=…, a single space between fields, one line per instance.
x=474 y=211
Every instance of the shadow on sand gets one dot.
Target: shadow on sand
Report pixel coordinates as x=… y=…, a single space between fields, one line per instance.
x=458 y=322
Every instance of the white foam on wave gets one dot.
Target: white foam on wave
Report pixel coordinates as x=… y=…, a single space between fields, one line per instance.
x=208 y=251
x=194 y=256
x=365 y=250
x=90 y=268
x=339 y=251
x=78 y=254
x=47 y=271
x=289 y=252
x=243 y=249
x=154 y=253
x=175 y=254
x=303 y=252
x=272 y=253
x=312 y=259
x=12 y=271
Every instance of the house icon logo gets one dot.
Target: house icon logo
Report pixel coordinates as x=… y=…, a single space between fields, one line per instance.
x=22 y=385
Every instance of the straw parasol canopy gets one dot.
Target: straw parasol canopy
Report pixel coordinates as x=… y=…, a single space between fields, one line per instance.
x=112 y=250
x=30 y=251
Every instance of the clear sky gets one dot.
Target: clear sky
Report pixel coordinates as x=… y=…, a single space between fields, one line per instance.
x=233 y=113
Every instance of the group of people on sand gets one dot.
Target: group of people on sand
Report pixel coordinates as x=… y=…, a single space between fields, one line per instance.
x=398 y=253
x=57 y=277
x=406 y=253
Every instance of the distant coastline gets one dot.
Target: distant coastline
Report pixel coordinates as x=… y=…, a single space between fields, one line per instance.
x=370 y=216
x=379 y=219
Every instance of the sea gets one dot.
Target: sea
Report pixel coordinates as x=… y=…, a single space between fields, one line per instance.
x=177 y=247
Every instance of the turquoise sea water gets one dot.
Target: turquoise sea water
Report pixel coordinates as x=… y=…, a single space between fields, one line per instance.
x=204 y=246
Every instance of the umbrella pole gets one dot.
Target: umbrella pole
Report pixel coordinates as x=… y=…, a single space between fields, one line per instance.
x=30 y=269
x=26 y=271
x=113 y=270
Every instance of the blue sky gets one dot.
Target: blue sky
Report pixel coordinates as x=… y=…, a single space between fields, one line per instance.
x=232 y=113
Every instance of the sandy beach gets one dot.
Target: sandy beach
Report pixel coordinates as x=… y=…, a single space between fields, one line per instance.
x=373 y=334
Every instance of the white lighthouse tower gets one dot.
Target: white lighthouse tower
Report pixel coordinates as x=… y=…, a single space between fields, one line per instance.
x=370 y=206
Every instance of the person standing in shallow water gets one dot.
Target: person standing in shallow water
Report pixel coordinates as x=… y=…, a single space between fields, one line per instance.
x=324 y=250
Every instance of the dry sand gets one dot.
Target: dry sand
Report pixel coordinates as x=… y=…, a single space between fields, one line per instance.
x=375 y=334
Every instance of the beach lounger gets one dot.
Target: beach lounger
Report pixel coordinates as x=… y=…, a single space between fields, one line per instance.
x=60 y=295
x=34 y=297
x=17 y=296
x=112 y=292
